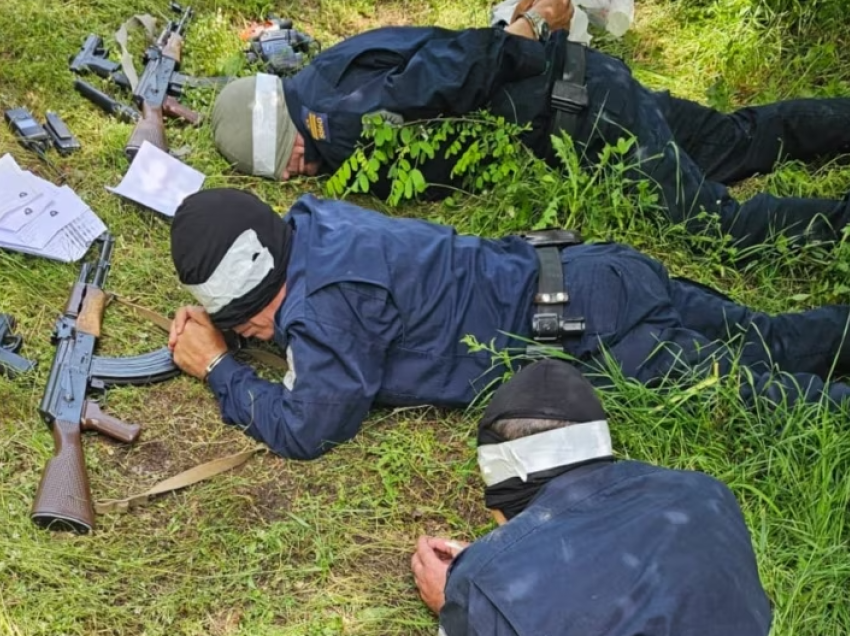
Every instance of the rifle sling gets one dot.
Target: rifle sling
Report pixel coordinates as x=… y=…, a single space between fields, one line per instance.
x=198 y=473
x=188 y=477
x=148 y=23
x=258 y=355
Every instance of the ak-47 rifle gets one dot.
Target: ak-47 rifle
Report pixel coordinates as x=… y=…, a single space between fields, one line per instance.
x=158 y=86
x=162 y=60
x=63 y=500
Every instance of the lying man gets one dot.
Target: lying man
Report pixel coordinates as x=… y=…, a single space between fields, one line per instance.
x=372 y=310
x=312 y=122
x=589 y=546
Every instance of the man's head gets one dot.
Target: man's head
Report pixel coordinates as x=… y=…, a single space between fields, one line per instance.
x=542 y=422
x=253 y=130
x=231 y=251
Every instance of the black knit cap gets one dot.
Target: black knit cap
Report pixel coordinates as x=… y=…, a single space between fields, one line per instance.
x=548 y=389
x=206 y=225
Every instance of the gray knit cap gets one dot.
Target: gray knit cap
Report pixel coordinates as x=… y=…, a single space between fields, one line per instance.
x=252 y=127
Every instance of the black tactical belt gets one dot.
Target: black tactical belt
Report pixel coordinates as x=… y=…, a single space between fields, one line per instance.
x=569 y=94
x=548 y=325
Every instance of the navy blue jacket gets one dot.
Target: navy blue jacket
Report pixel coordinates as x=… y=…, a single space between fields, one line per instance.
x=375 y=312
x=613 y=549
x=421 y=73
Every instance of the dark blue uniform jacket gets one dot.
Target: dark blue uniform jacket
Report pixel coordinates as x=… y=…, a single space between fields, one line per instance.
x=421 y=73
x=375 y=311
x=613 y=549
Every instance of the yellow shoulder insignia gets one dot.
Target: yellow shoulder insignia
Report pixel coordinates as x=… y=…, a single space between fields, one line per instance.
x=317 y=124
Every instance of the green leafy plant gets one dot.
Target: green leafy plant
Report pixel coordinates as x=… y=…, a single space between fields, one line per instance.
x=485 y=149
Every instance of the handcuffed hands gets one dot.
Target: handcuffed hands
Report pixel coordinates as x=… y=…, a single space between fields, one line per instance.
x=194 y=341
x=557 y=13
x=430 y=564
x=184 y=315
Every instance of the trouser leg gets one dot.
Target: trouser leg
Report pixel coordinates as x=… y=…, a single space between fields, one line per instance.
x=816 y=341
x=730 y=147
x=633 y=317
x=651 y=354
x=621 y=107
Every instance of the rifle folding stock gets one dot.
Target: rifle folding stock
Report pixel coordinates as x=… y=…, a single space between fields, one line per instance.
x=63 y=500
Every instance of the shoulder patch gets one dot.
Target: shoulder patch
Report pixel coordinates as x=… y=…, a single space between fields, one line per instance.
x=317 y=124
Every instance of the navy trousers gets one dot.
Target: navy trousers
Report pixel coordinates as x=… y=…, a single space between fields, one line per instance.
x=694 y=152
x=656 y=327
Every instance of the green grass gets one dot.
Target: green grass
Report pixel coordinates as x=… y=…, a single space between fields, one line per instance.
x=321 y=548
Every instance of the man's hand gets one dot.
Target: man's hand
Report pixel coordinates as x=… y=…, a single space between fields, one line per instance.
x=297 y=165
x=197 y=344
x=430 y=565
x=184 y=315
x=557 y=13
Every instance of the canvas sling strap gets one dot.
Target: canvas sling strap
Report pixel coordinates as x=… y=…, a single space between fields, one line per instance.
x=199 y=473
x=148 y=24
x=194 y=475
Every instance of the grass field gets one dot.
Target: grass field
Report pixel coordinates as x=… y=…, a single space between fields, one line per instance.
x=322 y=548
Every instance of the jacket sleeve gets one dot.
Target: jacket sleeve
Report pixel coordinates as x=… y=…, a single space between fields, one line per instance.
x=475 y=615
x=336 y=367
x=458 y=72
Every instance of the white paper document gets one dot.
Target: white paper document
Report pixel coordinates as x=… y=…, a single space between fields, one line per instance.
x=38 y=218
x=17 y=188
x=158 y=181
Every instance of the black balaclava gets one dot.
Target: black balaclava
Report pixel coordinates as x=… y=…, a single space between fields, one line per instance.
x=237 y=231
x=549 y=390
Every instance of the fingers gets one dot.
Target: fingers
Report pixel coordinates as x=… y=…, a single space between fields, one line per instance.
x=182 y=317
x=433 y=551
x=200 y=315
x=569 y=13
x=416 y=564
x=557 y=13
x=177 y=325
x=448 y=546
x=442 y=548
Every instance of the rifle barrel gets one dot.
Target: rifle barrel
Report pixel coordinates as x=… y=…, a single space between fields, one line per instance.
x=180 y=28
x=103 y=261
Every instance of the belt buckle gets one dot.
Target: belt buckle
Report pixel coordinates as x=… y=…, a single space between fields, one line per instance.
x=569 y=97
x=546 y=327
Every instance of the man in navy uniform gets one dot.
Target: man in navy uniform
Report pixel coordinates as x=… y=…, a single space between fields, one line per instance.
x=529 y=74
x=586 y=545
x=372 y=310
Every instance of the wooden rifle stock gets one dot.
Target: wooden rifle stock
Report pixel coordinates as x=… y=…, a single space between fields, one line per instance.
x=63 y=500
x=150 y=128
